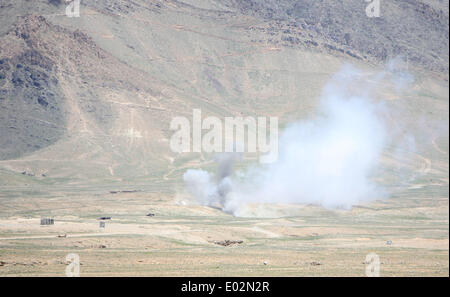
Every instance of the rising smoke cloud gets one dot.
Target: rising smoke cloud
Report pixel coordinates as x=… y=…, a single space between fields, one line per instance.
x=328 y=160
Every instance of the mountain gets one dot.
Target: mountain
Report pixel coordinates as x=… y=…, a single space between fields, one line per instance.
x=90 y=98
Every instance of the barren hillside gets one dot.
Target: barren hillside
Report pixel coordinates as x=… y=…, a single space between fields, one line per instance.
x=92 y=97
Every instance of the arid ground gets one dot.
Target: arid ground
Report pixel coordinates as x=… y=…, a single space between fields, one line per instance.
x=408 y=231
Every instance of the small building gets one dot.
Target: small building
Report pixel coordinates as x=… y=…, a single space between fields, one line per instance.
x=47 y=221
x=102 y=225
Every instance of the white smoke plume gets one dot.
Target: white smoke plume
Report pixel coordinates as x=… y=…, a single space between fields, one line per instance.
x=328 y=160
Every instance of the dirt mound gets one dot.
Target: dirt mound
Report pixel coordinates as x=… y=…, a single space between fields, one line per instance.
x=228 y=242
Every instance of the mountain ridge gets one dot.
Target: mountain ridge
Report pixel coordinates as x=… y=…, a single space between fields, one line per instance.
x=98 y=92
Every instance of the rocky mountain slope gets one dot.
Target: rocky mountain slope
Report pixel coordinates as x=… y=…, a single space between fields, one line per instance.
x=92 y=97
x=414 y=29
